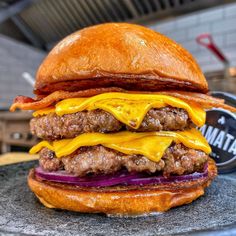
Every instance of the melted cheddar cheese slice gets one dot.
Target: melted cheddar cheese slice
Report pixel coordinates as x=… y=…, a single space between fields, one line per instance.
x=150 y=144
x=130 y=109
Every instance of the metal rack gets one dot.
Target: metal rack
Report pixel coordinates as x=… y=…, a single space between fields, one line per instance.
x=44 y=22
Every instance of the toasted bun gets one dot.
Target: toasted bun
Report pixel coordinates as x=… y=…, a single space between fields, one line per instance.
x=122 y=55
x=129 y=200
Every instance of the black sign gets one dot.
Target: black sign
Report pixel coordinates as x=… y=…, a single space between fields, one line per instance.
x=220 y=132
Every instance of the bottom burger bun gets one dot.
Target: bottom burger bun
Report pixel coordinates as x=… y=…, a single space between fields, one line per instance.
x=120 y=200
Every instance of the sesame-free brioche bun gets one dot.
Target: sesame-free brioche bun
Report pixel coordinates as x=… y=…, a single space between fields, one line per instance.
x=124 y=200
x=121 y=55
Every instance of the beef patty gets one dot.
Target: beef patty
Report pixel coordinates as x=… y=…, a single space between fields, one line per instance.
x=177 y=160
x=52 y=126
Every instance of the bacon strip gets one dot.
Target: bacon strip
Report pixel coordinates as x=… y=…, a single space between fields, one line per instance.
x=26 y=103
x=204 y=100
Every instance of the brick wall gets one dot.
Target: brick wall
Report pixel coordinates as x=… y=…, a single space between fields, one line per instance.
x=219 y=21
x=16 y=58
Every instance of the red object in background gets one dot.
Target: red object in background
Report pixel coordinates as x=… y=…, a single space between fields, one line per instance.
x=206 y=40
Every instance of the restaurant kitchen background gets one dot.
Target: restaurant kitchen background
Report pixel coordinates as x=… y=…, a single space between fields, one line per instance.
x=30 y=28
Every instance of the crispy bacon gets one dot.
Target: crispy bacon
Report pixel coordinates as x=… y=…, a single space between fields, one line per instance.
x=23 y=99
x=27 y=103
x=204 y=100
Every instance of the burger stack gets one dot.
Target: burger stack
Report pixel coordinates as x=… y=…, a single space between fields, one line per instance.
x=117 y=107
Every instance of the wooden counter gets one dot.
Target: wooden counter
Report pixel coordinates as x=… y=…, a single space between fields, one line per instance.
x=15 y=131
x=16 y=157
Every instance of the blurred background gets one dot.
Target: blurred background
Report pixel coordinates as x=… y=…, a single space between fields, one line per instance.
x=30 y=28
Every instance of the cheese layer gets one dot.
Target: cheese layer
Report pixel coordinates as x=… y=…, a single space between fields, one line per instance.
x=130 y=109
x=150 y=144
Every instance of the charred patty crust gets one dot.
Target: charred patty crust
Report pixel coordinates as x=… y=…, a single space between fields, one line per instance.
x=53 y=127
x=177 y=160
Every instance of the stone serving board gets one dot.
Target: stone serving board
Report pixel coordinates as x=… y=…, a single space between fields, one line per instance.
x=22 y=214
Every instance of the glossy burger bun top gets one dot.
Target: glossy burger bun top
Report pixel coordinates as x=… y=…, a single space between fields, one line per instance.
x=121 y=55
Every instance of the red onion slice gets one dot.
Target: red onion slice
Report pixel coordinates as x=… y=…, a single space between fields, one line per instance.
x=95 y=181
x=162 y=180
x=119 y=178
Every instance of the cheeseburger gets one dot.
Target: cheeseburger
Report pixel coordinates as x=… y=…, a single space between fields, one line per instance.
x=118 y=107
